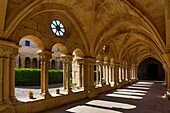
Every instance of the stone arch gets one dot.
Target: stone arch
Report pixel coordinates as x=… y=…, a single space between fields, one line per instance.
x=99 y=57
x=36 y=40
x=106 y=59
x=151 y=68
x=43 y=7
x=62 y=48
x=78 y=52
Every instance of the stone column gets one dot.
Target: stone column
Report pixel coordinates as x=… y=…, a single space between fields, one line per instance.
x=45 y=56
x=104 y=71
x=1 y=80
x=6 y=79
x=100 y=70
x=107 y=73
x=12 y=75
x=129 y=73
x=136 y=72
x=83 y=75
x=166 y=74
x=89 y=77
x=116 y=73
x=113 y=72
x=120 y=74
x=80 y=62
x=64 y=73
x=7 y=75
x=97 y=73
x=168 y=81
x=110 y=73
x=68 y=60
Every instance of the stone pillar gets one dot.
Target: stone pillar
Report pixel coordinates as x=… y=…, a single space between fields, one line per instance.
x=83 y=75
x=64 y=73
x=113 y=72
x=104 y=71
x=129 y=73
x=120 y=74
x=1 y=80
x=89 y=77
x=116 y=73
x=45 y=56
x=97 y=73
x=7 y=75
x=68 y=60
x=6 y=80
x=166 y=74
x=110 y=73
x=80 y=63
x=100 y=70
x=107 y=73
x=12 y=76
x=136 y=72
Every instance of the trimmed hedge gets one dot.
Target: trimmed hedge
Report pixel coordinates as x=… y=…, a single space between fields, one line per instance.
x=31 y=77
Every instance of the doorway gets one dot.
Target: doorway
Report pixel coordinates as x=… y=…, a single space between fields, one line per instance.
x=152 y=71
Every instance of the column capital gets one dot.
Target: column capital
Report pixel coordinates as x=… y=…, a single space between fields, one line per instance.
x=117 y=64
x=7 y=48
x=45 y=55
x=90 y=60
x=66 y=58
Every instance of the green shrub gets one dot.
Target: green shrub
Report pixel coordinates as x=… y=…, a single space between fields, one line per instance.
x=29 y=77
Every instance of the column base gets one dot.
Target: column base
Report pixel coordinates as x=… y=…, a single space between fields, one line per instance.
x=46 y=95
x=14 y=100
x=6 y=107
x=91 y=94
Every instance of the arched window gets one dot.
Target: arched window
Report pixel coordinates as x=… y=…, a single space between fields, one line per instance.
x=34 y=63
x=53 y=64
x=27 y=62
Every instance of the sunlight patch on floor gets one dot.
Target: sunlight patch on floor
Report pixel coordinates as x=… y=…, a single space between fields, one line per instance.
x=129 y=93
x=110 y=104
x=133 y=87
x=124 y=96
x=90 y=109
x=130 y=90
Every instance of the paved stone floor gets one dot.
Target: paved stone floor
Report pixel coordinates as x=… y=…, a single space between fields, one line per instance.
x=142 y=97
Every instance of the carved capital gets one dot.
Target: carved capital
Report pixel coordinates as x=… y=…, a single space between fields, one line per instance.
x=45 y=56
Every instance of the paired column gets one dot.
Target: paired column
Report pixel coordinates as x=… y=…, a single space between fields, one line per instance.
x=12 y=75
x=80 y=72
x=7 y=75
x=45 y=57
x=66 y=72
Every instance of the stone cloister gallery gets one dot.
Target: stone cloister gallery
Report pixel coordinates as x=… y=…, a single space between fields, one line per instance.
x=123 y=41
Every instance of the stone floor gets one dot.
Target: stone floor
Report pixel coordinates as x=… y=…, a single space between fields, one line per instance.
x=142 y=97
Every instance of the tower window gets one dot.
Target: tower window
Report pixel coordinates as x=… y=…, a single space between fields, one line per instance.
x=27 y=43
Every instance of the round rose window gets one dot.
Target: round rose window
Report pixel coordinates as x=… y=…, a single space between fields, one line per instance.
x=57 y=28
